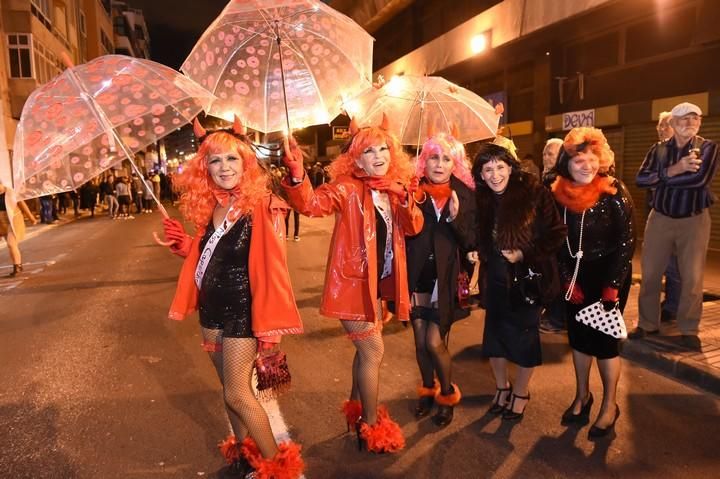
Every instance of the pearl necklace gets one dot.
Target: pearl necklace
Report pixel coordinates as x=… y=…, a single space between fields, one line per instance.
x=577 y=256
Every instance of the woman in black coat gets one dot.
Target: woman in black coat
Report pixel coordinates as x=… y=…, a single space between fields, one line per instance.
x=598 y=211
x=445 y=197
x=519 y=232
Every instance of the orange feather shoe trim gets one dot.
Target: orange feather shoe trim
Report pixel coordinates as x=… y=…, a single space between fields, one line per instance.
x=285 y=464
x=428 y=392
x=449 y=399
x=352 y=410
x=383 y=436
x=230 y=449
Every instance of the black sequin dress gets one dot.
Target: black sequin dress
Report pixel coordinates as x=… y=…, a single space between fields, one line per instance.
x=224 y=300
x=608 y=247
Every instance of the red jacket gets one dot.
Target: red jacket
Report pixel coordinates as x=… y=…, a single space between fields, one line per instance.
x=274 y=311
x=351 y=277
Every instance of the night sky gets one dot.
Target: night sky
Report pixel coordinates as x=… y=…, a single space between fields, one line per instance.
x=175 y=26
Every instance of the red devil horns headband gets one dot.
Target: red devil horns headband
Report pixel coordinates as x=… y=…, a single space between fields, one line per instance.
x=354 y=128
x=238 y=130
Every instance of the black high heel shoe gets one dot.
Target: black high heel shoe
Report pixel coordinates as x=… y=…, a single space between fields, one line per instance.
x=362 y=444
x=424 y=406
x=239 y=469
x=583 y=417
x=596 y=432
x=17 y=269
x=509 y=414
x=496 y=407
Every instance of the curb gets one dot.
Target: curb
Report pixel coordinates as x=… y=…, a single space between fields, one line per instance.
x=660 y=356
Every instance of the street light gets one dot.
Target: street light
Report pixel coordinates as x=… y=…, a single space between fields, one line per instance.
x=478 y=43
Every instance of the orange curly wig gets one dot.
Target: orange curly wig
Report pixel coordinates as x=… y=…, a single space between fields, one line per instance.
x=400 y=169
x=581 y=138
x=197 y=202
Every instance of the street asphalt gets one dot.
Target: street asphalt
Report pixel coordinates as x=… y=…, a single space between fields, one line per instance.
x=97 y=383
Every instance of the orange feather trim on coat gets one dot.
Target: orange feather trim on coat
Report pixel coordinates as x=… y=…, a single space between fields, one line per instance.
x=578 y=198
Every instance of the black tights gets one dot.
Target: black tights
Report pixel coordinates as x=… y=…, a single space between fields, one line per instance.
x=369 y=351
x=234 y=365
x=432 y=354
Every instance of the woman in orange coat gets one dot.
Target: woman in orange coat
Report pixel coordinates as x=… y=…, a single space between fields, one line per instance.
x=235 y=274
x=367 y=259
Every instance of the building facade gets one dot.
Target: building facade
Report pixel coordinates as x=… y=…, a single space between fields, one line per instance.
x=612 y=64
x=36 y=33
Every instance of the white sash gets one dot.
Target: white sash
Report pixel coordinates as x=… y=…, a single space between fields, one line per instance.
x=211 y=244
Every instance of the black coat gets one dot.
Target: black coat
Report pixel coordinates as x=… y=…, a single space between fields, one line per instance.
x=445 y=242
x=524 y=217
x=608 y=234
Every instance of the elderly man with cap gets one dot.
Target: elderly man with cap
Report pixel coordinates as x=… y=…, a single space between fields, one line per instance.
x=681 y=171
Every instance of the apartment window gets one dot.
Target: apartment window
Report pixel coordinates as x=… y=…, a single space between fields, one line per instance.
x=41 y=9
x=20 y=53
x=83 y=24
x=119 y=26
x=47 y=64
x=106 y=43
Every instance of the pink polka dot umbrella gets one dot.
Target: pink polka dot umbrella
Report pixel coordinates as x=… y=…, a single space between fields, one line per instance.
x=95 y=115
x=281 y=63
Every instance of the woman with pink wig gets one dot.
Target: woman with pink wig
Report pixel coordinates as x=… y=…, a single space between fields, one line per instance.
x=239 y=284
x=366 y=264
x=446 y=199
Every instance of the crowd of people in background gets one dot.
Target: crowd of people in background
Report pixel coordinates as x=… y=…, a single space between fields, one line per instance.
x=556 y=249
x=113 y=193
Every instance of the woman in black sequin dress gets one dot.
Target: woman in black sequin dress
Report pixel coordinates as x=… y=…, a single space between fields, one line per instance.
x=598 y=211
x=235 y=274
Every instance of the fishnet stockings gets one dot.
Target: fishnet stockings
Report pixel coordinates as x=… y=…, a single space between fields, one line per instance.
x=234 y=365
x=369 y=352
x=432 y=354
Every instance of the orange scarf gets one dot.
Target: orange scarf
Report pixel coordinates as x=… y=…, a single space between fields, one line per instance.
x=439 y=192
x=578 y=198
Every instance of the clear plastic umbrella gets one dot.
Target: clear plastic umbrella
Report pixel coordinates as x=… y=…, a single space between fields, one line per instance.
x=93 y=116
x=418 y=105
x=278 y=63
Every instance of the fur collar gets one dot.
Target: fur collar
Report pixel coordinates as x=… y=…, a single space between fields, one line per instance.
x=509 y=217
x=578 y=198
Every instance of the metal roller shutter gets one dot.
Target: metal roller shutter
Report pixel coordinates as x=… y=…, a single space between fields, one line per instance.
x=710 y=129
x=638 y=140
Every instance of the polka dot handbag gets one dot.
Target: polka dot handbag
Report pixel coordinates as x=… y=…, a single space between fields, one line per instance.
x=607 y=322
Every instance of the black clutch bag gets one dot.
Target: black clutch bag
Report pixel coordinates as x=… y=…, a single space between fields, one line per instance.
x=526 y=285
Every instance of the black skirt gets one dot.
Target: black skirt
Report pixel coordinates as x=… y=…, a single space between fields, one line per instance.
x=511 y=327
x=583 y=338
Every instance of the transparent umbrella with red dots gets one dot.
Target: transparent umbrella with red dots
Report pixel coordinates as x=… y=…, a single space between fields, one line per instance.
x=93 y=116
x=281 y=63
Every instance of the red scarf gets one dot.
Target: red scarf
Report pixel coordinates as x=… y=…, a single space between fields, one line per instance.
x=578 y=198
x=439 y=192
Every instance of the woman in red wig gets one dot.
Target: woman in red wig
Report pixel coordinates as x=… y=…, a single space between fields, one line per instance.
x=235 y=273
x=374 y=213
x=595 y=265
x=435 y=258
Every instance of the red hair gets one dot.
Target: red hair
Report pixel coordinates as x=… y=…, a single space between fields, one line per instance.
x=197 y=202
x=445 y=144
x=581 y=138
x=400 y=167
